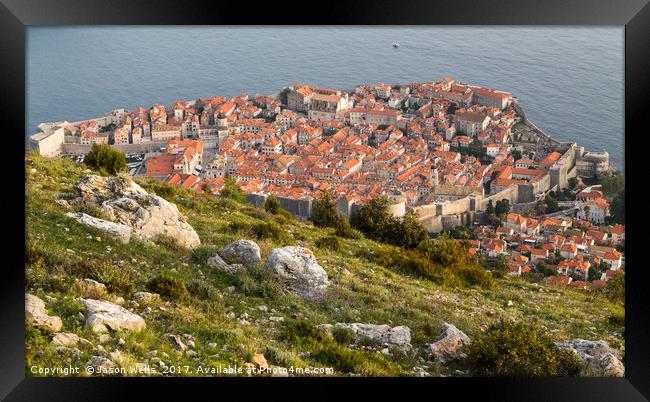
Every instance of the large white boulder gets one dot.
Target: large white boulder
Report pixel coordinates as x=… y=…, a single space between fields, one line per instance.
x=245 y=252
x=449 y=344
x=297 y=269
x=122 y=232
x=103 y=315
x=149 y=215
x=600 y=359
x=37 y=315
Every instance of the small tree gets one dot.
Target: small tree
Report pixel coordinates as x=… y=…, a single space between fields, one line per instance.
x=373 y=219
x=408 y=232
x=324 y=213
x=519 y=350
x=490 y=208
x=573 y=183
x=272 y=205
x=231 y=190
x=502 y=207
x=105 y=159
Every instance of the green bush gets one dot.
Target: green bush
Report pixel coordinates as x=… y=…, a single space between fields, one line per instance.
x=272 y=205
x=344 y=336
x=373 y=219
x=519 y=350
x=346 y=231
x=202 y=290
x=332 y=243
x=105 y=159
x=256 y=281
x=201 y=254
x=231 y=191
x=324 y=212
x=168 y=287
x=237 y=226
x=167 y=242
x=617 y=319
x=116 y=280
x=475 y=275
x=269 y=230
x=303 y=333
x=165 y=190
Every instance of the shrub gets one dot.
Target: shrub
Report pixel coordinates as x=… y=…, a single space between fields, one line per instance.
x=167 y=242
x=517 y=349
x=272 y=205
x=105 y=159
x=407 y=232
x=237 y=226
x=200 y=255
x=256 y=281
x=617 y=319
x=344 y=336
x=345 y=230
x=475 y=275
x=116 y=280
x=373 y=219
x=202 y=290
x=232 y=191
x=165 y=190
x=329 y=243
x=324 y=212
x=303 y=333
x=168 y=287
x=269 y=230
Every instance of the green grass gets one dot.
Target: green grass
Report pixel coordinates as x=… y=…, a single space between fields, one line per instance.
x=366 y=286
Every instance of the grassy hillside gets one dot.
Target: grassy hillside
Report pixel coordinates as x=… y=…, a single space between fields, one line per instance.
x=59 y=250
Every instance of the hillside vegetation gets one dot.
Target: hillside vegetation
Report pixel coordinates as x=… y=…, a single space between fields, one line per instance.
x=231 y=318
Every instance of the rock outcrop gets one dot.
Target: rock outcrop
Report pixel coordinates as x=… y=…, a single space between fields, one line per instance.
x=121 y=232
x=65 y=339
x=37 y=315
x=148 y=215
x=384 y=335
x=103 y=315
x=600 y=359
x=245 y=252
x=297 y=269
x=217 y=262
x=449 y=344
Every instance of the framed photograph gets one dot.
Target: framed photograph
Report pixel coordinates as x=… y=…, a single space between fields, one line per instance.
x=422 y=194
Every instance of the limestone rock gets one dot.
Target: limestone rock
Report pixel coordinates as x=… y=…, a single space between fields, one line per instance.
x=177 y=342
x=600 y=359
x=260 y=361
x=37 y=315
x=103 y=315
x=65 y=339
x=384 y=335
x=91 y=288
x=149 y=215
x=121 y=232
x=100 y=363
x=297 y=269
x=146 y=297
x=245 y=252
x=217 y=262
x=449 y=344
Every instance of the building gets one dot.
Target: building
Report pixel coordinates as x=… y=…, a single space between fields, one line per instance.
x=595 y=211
x=471 y=123
x=164 y=132
x=379 y=116
x=326 y=107
x=49 y=142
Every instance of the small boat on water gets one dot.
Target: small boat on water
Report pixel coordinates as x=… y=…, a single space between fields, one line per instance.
x=395 y=44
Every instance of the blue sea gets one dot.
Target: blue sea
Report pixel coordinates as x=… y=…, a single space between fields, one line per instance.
x=568 y=79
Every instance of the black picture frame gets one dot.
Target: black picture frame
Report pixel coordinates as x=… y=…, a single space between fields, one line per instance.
x=16 y=15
